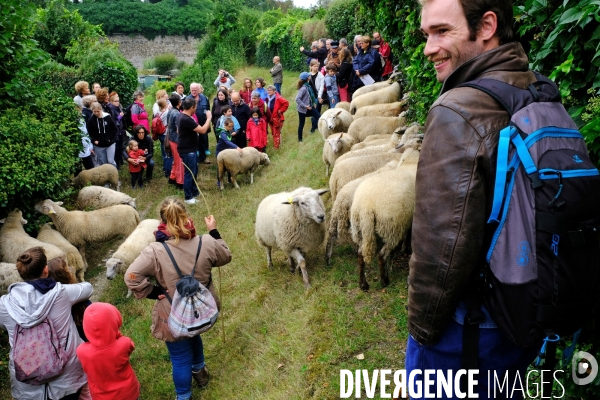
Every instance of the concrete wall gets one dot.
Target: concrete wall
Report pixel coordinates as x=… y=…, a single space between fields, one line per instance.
x=137 y=48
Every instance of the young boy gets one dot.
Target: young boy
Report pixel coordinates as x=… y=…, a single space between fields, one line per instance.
x=105 y=359
x=331 y=85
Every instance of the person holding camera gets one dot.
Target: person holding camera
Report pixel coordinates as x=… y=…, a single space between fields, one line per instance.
x=224 y=79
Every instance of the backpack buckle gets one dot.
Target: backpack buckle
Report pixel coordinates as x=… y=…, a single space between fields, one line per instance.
x=475 y=317
x=536 y=182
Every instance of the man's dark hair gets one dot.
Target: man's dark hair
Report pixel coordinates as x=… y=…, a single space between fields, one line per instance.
x=323 y=41
x=174 y=99
x=188 y=103
x=474 y=10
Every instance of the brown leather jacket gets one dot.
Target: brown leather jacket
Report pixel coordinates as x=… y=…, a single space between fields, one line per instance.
x=454 y=188
x=155 y=262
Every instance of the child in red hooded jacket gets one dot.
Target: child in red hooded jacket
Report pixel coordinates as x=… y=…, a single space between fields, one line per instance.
x=105 y=358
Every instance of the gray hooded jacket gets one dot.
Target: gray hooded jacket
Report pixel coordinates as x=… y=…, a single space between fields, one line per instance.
x=26 y=306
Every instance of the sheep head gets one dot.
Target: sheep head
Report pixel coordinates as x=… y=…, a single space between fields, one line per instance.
x=113 y=265
x=336 y=143
x=332 y=119
x=310 y=204
x=47 y=207
x=14 y=217
x=264 y=159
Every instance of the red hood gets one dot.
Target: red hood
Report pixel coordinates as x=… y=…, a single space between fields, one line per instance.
x=101 y=324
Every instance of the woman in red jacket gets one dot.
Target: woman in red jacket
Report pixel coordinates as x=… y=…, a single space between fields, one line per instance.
x=139 y=116
x=276 y=107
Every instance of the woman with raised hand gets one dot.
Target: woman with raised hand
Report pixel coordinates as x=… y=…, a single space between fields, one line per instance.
x=177 y=231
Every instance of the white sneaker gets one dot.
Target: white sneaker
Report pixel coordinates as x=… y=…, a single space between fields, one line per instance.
x=191 y=201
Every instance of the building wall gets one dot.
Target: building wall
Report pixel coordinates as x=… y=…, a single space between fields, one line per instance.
x=137 y=48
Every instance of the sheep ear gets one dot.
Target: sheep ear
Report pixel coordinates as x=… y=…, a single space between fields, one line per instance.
x=60 y=203
x=23 y=221
x=338 y=113
x=3 y=220
x=341 y=135
x=321 y=192
x=291 y=200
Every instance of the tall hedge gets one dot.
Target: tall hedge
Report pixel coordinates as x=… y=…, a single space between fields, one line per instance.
x=283 y=39
x=347 y=18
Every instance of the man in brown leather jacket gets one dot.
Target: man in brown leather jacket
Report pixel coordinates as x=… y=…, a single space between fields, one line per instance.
x=455 y=179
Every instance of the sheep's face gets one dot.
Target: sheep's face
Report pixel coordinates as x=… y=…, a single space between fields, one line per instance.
x=335 y=143
x=264 y=159
x=112 y=267
x=310 y=205
x=47 y=206
x=332 y=120
x=14 y=217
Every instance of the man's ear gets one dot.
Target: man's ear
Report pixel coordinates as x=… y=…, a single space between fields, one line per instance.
x=488 y=28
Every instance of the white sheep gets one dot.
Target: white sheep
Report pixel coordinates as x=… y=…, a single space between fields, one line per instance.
x=232 y=161
x=384 y=215
x=334 y=120
x=8 y=275
x=98 y=176
x=132 y=247
x=362 y=128
x=76 y=265
x=390 y=94
x=386 y=140
x=380 y=110
x=376 y=137
x=339 y=221
x=334 y=147
x=343 y=104
x=83 y=227
x=371 y=88
x=14 y=240
x=293 y=222
x=95 y=197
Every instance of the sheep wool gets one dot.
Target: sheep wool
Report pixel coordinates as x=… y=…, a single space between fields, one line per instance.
x=235 y=163
x=8 y=275
x=294 y=222
x=334 y=120
x=83 y=227
x=14 y=240
x=371 y=88
x=389 y=94
x=380 y=110
x=95 y=197
x=98 y=176
x=334 y=147
x=74 y=260
x=344 y=105
x=384 y=215
x=365 y=127
x=131 y=248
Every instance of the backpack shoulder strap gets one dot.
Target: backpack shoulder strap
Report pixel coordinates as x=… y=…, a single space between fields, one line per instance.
x=197 y=254
x=172 y=259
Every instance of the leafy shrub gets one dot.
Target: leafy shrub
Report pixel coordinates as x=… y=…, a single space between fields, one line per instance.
x=164 y=62
x=59 y=76
x=283 y=39
x=156 y=86
x=34 y=166
x=341 y=17
x=313 y=30
x=149 y=63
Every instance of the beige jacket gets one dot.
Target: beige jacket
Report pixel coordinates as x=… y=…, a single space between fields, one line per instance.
x=155 y=262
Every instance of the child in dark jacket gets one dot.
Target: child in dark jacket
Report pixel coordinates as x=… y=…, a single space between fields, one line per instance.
x=105 y=358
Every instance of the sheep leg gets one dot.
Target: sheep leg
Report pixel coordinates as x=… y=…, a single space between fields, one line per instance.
x=302 y=264
x=382 y=261
x=291 y=264
x=330 y=242
x=362 y=280
x=269 y=260
x=252 y=178
x=82 y=252
x=326 y=169
x=234 y=181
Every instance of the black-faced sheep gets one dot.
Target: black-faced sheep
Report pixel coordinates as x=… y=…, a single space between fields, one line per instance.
x=293 y=222
x=343 y=104
x=14 y=240
x=98 y=176
x=95 y=197
x=131 y=248
x=235 y=163
x=334 y=147
x=8 y=275
x=384 y=215
x=380 y=110
x=334 y=120
x=371 y=88
x=390 y=94
x=76 y=265
x=365 y=127
x=83 y=227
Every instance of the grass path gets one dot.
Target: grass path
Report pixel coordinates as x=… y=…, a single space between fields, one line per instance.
x=280 y=341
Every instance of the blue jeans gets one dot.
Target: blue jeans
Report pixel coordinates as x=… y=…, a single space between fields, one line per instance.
x=333 y=100
x=496 y=354
x=302 y=118
x=189 y=187
x=278 y=87
x=186 y=356
x=167 y=161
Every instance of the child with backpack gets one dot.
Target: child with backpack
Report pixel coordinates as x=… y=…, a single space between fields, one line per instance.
x=105 y=358
x=41 y=307
x=138 y=165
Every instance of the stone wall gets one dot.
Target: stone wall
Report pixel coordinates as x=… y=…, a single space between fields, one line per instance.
x=137 y=48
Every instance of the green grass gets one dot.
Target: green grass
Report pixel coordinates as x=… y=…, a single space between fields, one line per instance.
x=280 y=341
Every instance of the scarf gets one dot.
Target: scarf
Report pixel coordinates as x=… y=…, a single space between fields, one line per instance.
x=255 y=120
x=271 y=102
x=223 y=79
x=162 y=234
x=43 y=285
x=313 y=98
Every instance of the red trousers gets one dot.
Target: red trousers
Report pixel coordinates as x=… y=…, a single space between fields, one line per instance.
x=276 y=128
x=177 y=171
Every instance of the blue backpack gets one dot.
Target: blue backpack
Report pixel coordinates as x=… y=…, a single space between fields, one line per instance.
x=541 y=277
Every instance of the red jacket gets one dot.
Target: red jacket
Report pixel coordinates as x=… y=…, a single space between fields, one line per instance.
x=105 y=359
x=257 y=134
x=386 y=51
x=276 y=116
